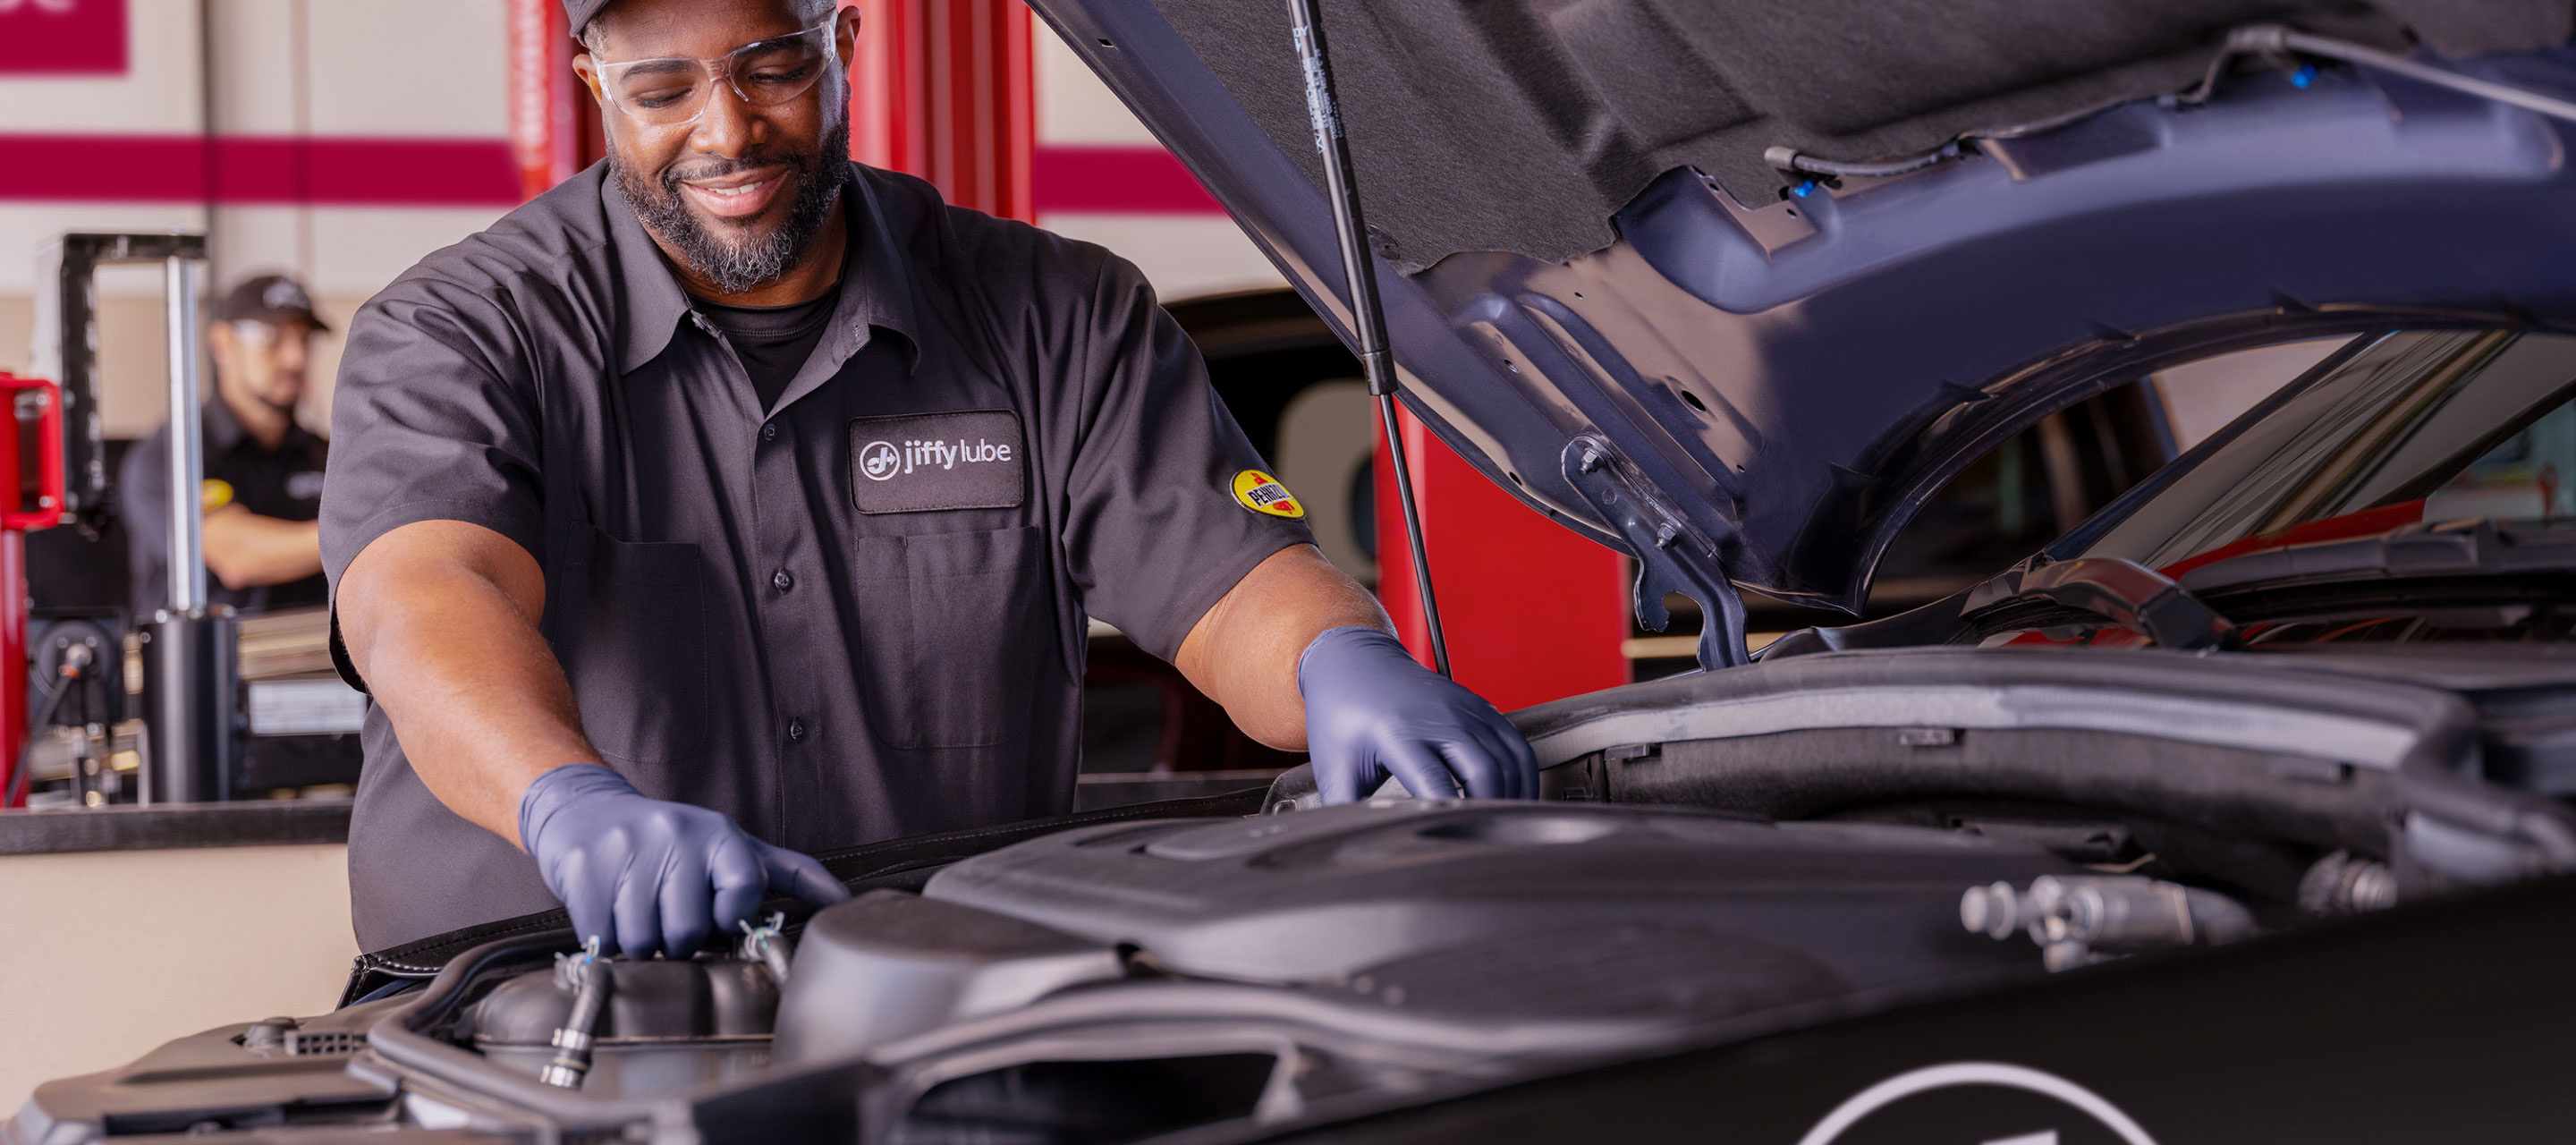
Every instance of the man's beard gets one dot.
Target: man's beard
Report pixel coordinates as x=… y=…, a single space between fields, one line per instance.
x=737 y=265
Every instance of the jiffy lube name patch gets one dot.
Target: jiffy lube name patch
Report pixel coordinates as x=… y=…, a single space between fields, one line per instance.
x=918 y=463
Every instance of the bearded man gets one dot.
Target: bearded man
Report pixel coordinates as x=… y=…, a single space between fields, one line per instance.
x=732 y=501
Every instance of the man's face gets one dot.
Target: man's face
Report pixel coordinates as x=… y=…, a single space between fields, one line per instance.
x=262 y=362
x=738 y=193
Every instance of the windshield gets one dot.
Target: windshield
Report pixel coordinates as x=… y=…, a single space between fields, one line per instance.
x=2400 y=429
x=2414 y=426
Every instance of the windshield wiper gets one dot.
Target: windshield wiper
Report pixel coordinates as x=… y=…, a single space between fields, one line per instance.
x=2473 y=548
x=2038 y=593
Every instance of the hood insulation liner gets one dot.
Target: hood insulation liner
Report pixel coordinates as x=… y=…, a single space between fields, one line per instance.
x=1524 y=125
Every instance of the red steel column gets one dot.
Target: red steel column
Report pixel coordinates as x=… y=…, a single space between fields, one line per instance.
x=13 y=656
x=546 y=98
x=1532 y=611
x=946 y=90
x=26 y=505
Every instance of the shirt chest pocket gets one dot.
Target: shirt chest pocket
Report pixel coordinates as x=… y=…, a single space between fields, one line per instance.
x=633 y=644
x=955 y=631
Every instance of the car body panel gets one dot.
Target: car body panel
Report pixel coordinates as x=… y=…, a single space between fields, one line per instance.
x=1793 y=378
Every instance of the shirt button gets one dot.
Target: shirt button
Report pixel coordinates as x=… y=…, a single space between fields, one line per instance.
x=796 y=731
x=782 y=580
x=769 y=431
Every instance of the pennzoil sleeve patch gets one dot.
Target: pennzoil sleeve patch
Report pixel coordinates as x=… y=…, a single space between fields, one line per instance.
x=1262 y=493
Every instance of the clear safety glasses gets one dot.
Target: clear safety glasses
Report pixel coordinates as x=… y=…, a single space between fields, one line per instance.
x=673 y=90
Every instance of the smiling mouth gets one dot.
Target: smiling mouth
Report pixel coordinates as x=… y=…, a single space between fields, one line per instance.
x=736 y=200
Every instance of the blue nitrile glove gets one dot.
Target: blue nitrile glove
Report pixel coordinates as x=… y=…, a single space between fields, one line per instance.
x=1371 y=710
x=643 y=875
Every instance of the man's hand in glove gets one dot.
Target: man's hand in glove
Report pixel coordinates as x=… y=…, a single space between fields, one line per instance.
x=1371 y=711
x=645 y=875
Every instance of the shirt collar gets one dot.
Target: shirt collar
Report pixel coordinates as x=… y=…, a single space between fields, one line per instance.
x=876 y=290
x=220 y=429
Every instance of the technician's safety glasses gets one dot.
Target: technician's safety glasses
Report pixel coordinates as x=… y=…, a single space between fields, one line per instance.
x=673 y=90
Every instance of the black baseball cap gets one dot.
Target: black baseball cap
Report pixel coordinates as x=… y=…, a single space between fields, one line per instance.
x=269 y=298
x=580 y=12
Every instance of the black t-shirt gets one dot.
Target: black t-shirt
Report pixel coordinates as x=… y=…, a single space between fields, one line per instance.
x=851 y=613
x=773 y=341
x=285 y=483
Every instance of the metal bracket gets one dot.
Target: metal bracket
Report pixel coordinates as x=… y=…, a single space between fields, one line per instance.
x=66 y=348
x=1672 y=554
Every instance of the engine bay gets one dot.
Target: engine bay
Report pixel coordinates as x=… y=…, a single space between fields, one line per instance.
x=1707 y=866
x=1266 y=966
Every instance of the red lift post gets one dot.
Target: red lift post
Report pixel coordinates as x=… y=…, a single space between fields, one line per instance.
x=554 y=127
x=31 y=453
x=1533 y=612
x=947 y=90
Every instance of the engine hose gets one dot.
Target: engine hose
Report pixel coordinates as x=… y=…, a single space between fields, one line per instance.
x=586 y=975
x=1790 y=159
x=2254 y=40
x=2280 y=41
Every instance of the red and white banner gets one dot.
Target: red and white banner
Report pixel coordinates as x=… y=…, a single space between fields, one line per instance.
x=62 y=37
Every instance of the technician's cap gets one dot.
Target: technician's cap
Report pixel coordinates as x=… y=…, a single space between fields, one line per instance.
x=580 y=12
x=269 y=298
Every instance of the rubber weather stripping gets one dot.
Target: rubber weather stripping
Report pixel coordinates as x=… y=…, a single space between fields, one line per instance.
x=1368 y=314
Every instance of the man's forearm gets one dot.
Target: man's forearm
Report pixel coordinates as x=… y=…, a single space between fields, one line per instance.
x=244 y=549
x=1244 y=652
x=474 y=693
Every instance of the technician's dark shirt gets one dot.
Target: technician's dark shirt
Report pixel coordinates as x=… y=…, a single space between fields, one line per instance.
x=852 y=614
x=773 y=342
x=285 y=483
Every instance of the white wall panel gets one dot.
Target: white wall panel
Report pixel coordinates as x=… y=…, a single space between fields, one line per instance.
x=159 y=94
x=410 y=67
x=26 y=226
x=256 y=50
x=1182 y=255
x=256 y=240
x=1074 y=107
x=357 y=250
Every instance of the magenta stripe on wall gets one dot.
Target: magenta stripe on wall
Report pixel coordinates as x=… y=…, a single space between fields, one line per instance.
x=1143 y=180
x=253 y=169
x=335 y=171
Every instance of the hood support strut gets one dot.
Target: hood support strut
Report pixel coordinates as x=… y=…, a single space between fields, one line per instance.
x=1368 y=315
x=1672 y=554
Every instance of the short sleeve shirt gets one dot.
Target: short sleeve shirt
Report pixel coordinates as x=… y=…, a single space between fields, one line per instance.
x=856 y=614
x=285 y=483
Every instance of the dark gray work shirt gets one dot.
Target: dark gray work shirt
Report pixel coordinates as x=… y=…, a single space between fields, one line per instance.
x=285 y=483
x=858 y=617
x=773 y=342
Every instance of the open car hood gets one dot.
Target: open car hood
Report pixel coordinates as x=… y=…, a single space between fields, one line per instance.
x=1604 y=290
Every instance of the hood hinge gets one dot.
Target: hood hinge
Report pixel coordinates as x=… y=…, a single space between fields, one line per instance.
x=1673 y=555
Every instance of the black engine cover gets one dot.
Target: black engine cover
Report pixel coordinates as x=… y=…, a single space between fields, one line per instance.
x=1494 y=909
